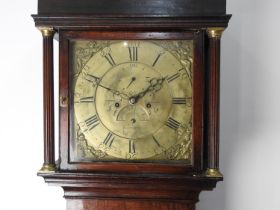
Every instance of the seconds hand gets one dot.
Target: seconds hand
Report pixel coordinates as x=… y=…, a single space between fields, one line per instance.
x=132 y=80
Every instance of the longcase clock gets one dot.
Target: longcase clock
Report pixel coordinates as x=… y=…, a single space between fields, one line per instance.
x=138 y=101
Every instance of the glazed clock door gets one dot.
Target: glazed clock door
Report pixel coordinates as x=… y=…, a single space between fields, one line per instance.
x=132 y=100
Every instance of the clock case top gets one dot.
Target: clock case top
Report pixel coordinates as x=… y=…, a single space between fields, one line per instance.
x=133 y=7
x=139 y=14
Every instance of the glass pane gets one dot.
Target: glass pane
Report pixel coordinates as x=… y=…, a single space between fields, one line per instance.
x=131 y=101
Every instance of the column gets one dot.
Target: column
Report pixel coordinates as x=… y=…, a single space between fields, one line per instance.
x=214 y=43
x=48 y=97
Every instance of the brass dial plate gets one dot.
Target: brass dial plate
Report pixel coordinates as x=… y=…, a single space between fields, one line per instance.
x=131 y=100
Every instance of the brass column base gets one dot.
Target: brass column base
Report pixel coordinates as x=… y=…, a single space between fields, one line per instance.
x=46 y=168
x=213 y=172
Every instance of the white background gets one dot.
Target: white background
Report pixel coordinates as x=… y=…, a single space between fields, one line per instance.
x=250 y=116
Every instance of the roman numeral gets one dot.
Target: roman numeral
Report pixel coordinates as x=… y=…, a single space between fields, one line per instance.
x=110 y=59
x=173 y=77
x=86 y=100
x=156 y=60
x=155 y=140
x=179 y=101
x=92 y=122
x=173 y=124
x=106 y=53
x=133 y=53
x=109 y=140
x=131 y=146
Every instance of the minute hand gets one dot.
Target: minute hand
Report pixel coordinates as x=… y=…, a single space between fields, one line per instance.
x=123 y=95
x=155 y=85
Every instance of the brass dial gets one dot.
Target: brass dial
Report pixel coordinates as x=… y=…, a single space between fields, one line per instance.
x=132 y=99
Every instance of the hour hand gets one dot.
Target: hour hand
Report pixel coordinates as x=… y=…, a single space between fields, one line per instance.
x=155 y=85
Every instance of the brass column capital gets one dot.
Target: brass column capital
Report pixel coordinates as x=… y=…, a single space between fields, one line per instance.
x=46 y=31
x=215 y=32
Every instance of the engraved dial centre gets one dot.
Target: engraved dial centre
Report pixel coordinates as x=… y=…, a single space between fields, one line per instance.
x=142 y=85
